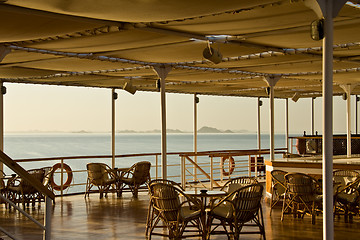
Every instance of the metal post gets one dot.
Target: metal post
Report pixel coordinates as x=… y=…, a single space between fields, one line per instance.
x=259 y=125
x=196 y=101
x=312 y=116
x=271 y=81
x=287 y=123
x=113 y=98
x=47 y=220
x=62 y=178
x=356 y=113
x=3 y=91
x=348 y=125
x=162 y=72
x=328 y=224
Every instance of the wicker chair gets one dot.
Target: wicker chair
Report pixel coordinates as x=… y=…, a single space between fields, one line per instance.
x=236 y=183
x=237 y=209
x=278 y=187
x=101 y=176
x=177 y=216
x=21 y=191
x=301 y=196
x=48 y=176
x=346 y=193
x=135 y=176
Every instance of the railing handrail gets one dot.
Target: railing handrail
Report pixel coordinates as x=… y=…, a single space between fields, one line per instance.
x=25 y=175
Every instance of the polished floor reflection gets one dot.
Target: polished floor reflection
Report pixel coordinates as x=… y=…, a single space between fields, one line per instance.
x=124 y=218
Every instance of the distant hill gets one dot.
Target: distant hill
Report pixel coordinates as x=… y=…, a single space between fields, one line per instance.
x=212 y=130
x=204 y=129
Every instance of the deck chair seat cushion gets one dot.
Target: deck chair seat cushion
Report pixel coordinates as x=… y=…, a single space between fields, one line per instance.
x=347 y=198
x=187 y=212
x=224 y=210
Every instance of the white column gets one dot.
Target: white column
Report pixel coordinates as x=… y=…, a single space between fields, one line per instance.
x=113 y=98
x=287 y=123
x=312 y=117
x=162 y=72
x=327 y=9
x=3 y=91
x=259 y=123
x=196 y=101
x=3 y=52
x=347 y=89
x=271 y=81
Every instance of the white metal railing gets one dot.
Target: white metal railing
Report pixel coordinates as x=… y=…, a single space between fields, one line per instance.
x=208 y=166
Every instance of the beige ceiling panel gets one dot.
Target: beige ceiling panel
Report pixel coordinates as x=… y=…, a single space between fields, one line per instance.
x=181 y=52
x=138 y=10
x=286 y=15
x=15 y=72
x=19 y=24
x=17 y=56
x=111 y=41
x=75 y=64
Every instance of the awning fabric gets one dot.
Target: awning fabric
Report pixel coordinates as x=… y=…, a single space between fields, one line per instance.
x=108 y=43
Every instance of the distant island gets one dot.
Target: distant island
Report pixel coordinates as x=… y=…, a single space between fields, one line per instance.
x=204 y=129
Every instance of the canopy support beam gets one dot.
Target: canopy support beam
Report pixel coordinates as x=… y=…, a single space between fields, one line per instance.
x=113 y=98
x=3 y=52
x=347 y=89
x=162 y=71
x=287 y=124
x=196 y=101
x=259 y=123
x=271 y=80
x=328 y=9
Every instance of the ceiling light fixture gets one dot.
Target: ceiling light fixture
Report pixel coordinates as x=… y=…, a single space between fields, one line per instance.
x=212 y=55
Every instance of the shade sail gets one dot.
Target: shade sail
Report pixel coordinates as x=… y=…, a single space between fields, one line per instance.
x=106 y=43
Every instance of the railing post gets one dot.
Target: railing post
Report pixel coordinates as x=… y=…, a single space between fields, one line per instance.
x=183 y=179
x=211 y=173
x=249 y=165
x=62 y=178
x=47 y=220
x=156 y=166
x=256 y=165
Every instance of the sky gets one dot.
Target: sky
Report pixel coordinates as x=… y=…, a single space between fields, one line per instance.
x=30 y=107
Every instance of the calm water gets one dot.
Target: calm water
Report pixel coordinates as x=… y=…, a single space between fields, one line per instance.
x=38 y=145
x=20 y=146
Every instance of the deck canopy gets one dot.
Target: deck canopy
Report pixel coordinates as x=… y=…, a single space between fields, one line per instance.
x=109 y=43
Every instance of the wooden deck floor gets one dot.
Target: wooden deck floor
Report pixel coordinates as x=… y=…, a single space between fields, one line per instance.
x=124 y=218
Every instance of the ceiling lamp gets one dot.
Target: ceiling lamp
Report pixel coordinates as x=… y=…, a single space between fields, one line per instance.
x=212 y=55
x=129 y=87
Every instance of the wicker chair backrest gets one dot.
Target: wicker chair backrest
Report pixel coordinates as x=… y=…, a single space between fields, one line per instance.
x=97 y=173
x=278 y=180
x=37 y=174
x=165 y=198
x=301 y=185
x=239 y=182
x=141 y=172
x=247 y=201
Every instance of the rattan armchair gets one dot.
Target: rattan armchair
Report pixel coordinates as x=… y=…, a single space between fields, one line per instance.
x=239 y=208
x=278 y=187
x=181 y=218
x=346 y=193
x=21 y=191
x=236 y=183
x=133 y=177
x=301 y=196
x=101 y=176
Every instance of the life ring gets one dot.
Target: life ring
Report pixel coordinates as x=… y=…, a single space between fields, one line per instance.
x=68 y=180
x=231 y=166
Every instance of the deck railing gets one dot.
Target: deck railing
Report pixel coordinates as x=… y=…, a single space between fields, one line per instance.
x=188 y=168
